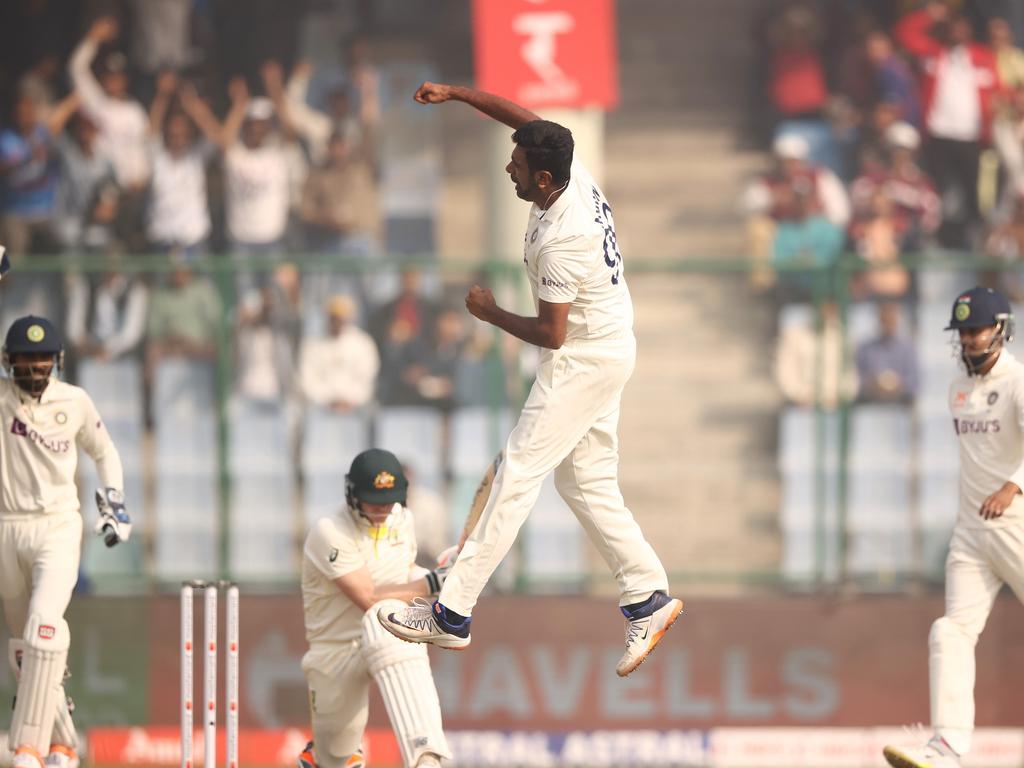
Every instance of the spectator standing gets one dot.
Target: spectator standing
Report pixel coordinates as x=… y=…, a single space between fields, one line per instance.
x=960 y=82
x=340 y=201
x=87 y=191
x=316 y=128
x=1009 y=58
x=257 y=180
x=122 y=121
x=893 y=79
x=29 y=168
x=797 y=73
x=179 y=214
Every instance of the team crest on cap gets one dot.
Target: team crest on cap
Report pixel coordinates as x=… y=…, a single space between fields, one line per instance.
x=963 y=310
x=35 y=333
x=384 y=480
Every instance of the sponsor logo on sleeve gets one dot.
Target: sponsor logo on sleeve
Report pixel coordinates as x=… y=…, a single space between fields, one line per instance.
x=552 y=283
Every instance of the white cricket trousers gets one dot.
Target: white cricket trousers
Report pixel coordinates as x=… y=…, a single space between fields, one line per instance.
x=568 y=424
x=38 y=566
x=980 y=561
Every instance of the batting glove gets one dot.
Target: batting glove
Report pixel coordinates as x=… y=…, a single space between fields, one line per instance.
x=114 y=524
x=436 y=577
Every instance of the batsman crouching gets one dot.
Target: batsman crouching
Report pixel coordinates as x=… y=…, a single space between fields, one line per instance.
x=353 y=565
x=43 y=423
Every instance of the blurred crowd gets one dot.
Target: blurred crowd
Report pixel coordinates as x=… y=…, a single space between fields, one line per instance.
x=125 y=132
x=896 y=132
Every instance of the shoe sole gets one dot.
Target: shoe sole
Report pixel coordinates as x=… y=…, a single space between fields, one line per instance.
x=437 y=643
x=654 y=640
x=897 y=759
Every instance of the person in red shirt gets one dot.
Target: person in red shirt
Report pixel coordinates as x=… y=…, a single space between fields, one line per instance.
x=959 y=81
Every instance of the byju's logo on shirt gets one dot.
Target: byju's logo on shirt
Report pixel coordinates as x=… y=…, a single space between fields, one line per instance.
x=21 y=429
x=552 y=283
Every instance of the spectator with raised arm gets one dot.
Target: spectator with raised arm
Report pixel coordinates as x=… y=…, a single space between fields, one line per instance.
x=340 y=202
x=257 y=179
x=29 y=172
x=122 y=122
x=960 y=82
x=316 y=127
x=179 y=215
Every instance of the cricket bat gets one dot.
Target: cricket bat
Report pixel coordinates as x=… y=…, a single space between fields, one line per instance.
x=483 y=492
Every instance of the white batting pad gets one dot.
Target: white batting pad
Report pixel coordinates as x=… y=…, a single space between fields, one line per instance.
x=40 y=685
x=402 y=673
x=63 y=726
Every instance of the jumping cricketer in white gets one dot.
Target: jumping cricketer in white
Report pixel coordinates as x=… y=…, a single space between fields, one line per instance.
x=987 y=549
x=584 y=327
x=43 y=423
x=354 y=564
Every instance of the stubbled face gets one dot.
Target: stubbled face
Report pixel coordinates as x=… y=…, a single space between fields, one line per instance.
x=31 y=371
x=526 y=187
x=375 y=513
x=975 y=342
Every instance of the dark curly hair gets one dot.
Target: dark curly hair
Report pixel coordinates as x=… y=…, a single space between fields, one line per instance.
x=548 y=148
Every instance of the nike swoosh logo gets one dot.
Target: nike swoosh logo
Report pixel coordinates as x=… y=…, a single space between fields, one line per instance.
x=646 y=630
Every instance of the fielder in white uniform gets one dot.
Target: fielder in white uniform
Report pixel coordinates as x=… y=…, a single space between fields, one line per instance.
x=43 y=423
x=987 y=549
x=354 y=564
x=584 y=327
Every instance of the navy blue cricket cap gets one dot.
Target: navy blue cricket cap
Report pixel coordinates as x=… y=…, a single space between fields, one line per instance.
x=979 y=308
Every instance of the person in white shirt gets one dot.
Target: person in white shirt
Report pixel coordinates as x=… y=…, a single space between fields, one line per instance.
x=340 y=371
x=257 y=182
x=584 y=327
x=353 y=564
x=122 y=121
x=179 y=214
x=987 y=549
x=44 y=424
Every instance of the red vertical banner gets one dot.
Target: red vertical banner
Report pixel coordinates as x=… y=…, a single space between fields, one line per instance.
x=547 y=53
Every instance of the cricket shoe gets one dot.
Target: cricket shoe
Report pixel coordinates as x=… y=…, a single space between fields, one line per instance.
x=62 y=757
x=935 y=754
x=308 y=760
x=645 y=631
x=26 y=757
x=421 y=622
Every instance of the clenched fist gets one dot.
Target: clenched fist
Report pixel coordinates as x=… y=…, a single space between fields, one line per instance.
x=433 y=93
x=480 y=302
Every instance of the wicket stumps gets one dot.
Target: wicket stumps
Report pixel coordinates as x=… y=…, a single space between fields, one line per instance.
x=210 y=591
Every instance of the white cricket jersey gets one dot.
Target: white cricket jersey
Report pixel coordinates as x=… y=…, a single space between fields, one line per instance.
x=988 y=418
x=572 y=256
x=340 y=545
x=39 y=441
